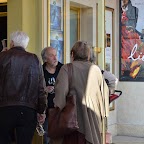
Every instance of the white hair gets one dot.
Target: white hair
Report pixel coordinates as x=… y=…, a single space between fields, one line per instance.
x=19 y=38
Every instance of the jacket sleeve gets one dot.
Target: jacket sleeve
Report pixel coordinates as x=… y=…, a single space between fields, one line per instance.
x=42 y=94
x=61 y=87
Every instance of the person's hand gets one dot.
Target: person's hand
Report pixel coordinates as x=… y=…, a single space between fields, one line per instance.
x=4 y=49
x=41 y=118
x=4 y=43
x=49 y=89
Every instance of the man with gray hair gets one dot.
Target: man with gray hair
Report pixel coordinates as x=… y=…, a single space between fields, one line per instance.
x=23 y=99
x=51 y=69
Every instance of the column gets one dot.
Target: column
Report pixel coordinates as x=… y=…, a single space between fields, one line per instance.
x=101 y=32
x=27 y=15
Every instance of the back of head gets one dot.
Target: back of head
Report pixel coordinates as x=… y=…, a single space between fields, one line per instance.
x=19 y=38
x=81 y=51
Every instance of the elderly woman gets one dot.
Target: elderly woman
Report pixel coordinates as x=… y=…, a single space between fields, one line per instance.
x=91 y=97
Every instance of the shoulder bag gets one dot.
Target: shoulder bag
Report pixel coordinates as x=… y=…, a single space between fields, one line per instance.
x=63 y=122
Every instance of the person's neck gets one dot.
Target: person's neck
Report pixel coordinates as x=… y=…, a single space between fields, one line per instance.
x=50 y=69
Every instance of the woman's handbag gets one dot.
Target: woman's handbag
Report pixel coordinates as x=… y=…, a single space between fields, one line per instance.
x=63 y=122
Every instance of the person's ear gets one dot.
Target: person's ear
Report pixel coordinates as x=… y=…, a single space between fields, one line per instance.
x=11 y=44
x=89 y=55
x=72 y=56
x=45 y=61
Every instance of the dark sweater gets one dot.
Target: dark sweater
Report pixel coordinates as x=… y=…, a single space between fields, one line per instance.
x=50 y=81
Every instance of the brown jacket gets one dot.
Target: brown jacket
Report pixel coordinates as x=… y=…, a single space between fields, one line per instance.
x=21 y=80
x=92 y=97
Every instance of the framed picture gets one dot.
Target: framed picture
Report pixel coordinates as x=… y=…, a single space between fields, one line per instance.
x=131 y=40
x=56 y=25
x=56 y=14
x=56 y=41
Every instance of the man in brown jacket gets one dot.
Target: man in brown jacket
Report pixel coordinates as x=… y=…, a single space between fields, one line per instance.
x=23 y=99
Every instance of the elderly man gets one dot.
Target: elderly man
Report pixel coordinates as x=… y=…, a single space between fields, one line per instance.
x=51 y=69
x=23 y=100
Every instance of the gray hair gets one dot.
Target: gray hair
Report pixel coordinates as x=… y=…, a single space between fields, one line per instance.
x=81 y=50
x=43 y=53
x=19 y=38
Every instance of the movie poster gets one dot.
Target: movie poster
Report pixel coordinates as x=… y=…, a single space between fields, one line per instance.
x=56 y=28
x=131 y=40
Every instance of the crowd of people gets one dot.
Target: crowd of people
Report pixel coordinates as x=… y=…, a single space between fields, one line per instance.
x=28 y=90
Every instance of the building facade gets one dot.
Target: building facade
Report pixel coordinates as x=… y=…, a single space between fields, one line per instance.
x=62 y=22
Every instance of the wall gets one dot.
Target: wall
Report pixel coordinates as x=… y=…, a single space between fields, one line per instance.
x=87 y=22
x=130 y=109
x=27 y=16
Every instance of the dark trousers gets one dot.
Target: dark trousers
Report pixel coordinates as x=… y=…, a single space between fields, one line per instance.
x=19 y=118
x=75 y=138
x=46 y=139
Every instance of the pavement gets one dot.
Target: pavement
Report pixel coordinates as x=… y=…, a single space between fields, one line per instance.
x=127 y=140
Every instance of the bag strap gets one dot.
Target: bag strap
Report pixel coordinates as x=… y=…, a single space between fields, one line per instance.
x=69 y=74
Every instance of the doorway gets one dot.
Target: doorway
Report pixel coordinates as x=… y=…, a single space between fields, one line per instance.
x=74 y=25
x=3 y=23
